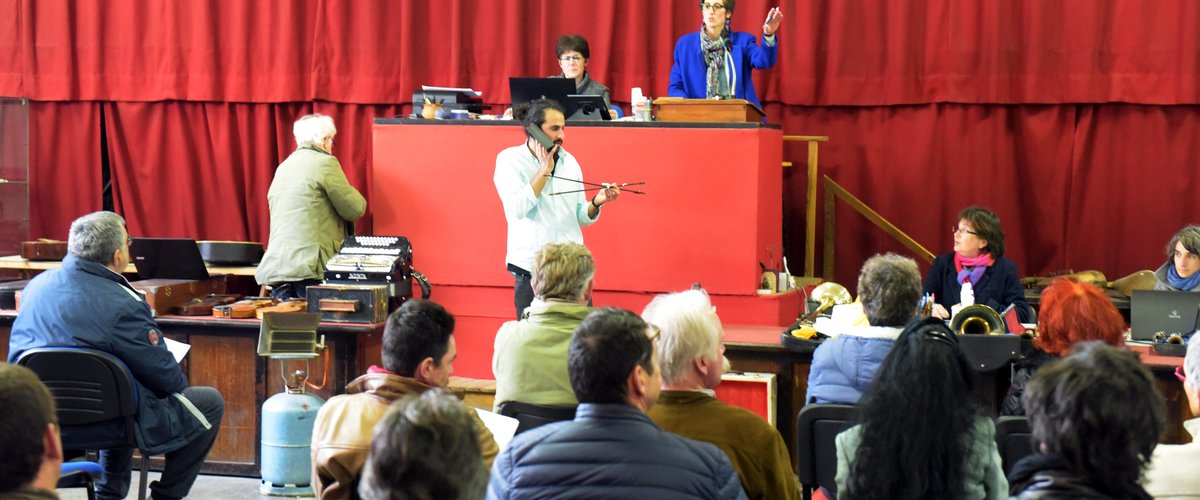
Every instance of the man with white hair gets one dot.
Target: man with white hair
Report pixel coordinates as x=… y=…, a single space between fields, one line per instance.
x=691 y=353
x=310 y=200
x=88 y=303
x=1172 y=466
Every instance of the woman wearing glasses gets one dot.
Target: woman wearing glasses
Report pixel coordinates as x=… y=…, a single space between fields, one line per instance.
x=977 y=259
x=715 y=62
x=573 y=55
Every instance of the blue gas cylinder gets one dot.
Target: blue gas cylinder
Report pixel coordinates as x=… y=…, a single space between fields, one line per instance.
x=287 y=425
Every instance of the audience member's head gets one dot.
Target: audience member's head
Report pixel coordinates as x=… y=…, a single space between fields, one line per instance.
x=1191 y=376
x=28 y=432
x=611 y=360
x=690 y=348
x=418 y=342
x=890 y=288
x=563 y=271
x=1099 y=411
x=915 y=418
x=99 y=237
x=1074 y=311
x=314 y=131
x=424 y=448
x=985 y=225
x=534 y=112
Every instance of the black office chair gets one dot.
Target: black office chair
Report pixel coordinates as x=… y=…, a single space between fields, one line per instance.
x=531 y=416
x=1013 y=439
x=816 y=453
x=90 y=387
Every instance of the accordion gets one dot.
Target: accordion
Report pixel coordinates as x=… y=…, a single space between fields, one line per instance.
x=373 y=260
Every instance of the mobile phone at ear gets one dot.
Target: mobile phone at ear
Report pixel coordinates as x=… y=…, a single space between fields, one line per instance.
x=536 y=133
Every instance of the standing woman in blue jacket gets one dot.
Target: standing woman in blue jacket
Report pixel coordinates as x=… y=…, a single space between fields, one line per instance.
x=715 y=62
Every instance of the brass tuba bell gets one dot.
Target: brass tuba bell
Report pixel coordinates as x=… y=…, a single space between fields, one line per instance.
x=977 y=319
x=826 y=295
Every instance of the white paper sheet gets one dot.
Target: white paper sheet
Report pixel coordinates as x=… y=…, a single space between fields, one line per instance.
x=178 y=349
x=503 y=428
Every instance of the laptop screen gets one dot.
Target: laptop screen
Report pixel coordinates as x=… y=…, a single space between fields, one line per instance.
x=1153 y=311
x=167 y=258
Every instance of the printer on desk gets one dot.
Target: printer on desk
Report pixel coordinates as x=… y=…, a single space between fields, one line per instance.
x=450 y=99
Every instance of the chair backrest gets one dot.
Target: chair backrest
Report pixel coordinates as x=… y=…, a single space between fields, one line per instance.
x=816 y=454
x=88 y=386
x=531 y=416
x=1013 y=439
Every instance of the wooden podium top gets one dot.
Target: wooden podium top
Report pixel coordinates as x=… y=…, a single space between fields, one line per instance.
x=678 y=109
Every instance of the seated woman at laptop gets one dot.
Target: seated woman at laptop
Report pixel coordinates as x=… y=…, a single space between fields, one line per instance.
x=573 y=54
x=1183 y=260
x=1072 y=312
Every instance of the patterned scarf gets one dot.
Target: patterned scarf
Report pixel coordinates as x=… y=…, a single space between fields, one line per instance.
x=972 y=268
x=714 y=56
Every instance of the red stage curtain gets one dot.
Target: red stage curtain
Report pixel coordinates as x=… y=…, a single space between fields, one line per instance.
x=930 y=106
x=64 y=166
x=1080 y=187
x=873 y=52
x=202 y=170
x=197 y=170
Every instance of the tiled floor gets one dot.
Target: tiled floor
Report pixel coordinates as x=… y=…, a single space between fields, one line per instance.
x=206 y=488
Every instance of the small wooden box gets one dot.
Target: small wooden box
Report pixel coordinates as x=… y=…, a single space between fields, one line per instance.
x=365 y=304
x=165 y=295
x=674 y=109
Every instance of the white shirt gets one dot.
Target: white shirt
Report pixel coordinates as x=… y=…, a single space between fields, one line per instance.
x=534 y=221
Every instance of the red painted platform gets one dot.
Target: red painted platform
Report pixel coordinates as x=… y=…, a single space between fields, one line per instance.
x=712 y=213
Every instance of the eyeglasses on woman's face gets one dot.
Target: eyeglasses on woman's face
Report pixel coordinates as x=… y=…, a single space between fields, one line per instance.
x=713 y=6
x=960 y=229
x=570 y=59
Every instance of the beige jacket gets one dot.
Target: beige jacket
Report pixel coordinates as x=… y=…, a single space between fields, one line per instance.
x=342 y=432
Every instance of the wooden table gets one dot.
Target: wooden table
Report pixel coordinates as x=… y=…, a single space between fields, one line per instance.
x=16 y=262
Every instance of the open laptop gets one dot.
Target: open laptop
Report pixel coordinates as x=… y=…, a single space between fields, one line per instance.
x=1153 y=311
x=167 y=258
x=524 y=90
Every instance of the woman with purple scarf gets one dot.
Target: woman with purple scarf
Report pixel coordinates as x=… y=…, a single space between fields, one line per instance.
x=978 y=259
x=1183 y=260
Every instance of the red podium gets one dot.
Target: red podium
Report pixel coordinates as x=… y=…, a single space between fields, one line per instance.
x=711 y=214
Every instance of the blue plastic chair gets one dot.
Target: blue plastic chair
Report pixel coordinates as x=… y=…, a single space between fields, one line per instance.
x=80 y=474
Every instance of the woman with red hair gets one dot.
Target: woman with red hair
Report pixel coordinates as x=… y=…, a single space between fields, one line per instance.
x=1071 y=312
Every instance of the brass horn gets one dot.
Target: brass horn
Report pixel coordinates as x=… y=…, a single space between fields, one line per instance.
x=977 y=319
x=827 y=295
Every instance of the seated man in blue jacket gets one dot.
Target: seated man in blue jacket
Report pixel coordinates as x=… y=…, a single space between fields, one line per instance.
x=889 y=287
x=88 y=303
x=612 y=449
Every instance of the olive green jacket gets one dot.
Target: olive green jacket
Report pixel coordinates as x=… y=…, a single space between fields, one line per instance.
x=530 y=357
x=309 y=201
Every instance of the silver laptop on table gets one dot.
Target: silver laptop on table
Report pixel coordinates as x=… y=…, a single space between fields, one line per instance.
x=1153 y=311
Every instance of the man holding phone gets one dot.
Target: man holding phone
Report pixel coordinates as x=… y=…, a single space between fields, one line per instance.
x=528 y=178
